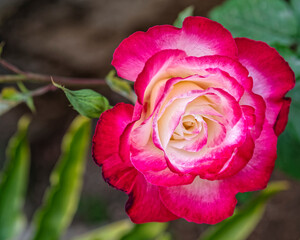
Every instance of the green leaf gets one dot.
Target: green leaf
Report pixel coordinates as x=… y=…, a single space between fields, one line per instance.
x=114 y=231
x=296 y=8
x=86 y=101
x=244 y=221
x=13 y=183
x=271 y=21
x=11 y=97
x=244 y=197
x=291 y=57
x=289 y=141
x=147 y=231
x=61 y=199
x=120 y=86
x=182 y=15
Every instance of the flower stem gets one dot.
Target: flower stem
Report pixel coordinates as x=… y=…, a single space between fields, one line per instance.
x=40 y=78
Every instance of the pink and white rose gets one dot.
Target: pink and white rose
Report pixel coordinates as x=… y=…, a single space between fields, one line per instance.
x=205 y=125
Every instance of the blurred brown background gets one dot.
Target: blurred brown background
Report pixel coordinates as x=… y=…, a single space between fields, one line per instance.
x=77 y=38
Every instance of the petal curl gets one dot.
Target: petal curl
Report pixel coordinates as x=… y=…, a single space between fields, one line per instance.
x=199 y=36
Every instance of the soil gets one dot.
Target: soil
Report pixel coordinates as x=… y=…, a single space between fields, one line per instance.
x=77 y=38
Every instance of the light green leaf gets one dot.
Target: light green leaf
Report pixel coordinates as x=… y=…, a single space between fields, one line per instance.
x=86 y=101
x=120 y=86
x=244 y=221
x=271 y=21
x=113 y=231
x=289 y=141
x=182 y=15
x=146 y=231
x=13 y=183
x=27 y=96
x=11 y=97
x=291 y=57
x=61 y=199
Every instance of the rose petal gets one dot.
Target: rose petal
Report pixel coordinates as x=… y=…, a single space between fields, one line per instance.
x=256 y=174
x=202 y=201
x=144 y=204
x=271 y=74
x=209 y=64
x=198 y=37
x=120 y=174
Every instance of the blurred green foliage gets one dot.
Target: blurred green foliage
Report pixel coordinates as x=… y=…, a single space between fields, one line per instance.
x=11 y=97
x=13 y=183
x=271 y=21
x=62 y=197
x=120 y=86
x=147 y=231
x=244 y=221
x=182 y=15
x=91 y=209
x=289 y=140
x=113 y=231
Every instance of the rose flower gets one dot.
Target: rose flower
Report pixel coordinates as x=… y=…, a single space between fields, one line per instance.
x=205 y=125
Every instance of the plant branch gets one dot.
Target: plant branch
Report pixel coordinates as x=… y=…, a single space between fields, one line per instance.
x=41 y=78
x=42 y=90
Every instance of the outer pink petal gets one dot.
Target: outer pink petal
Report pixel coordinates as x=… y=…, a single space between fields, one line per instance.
x=203 y=201
x=272 y=76
x=256 y=174
x=111 y=124
x=144 y=204
x=198 y=37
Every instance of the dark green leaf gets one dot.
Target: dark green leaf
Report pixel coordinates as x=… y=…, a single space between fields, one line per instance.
x=113 y=231
x=182 y=15
x=61 y=199
x=120 y=86
x=291 y=57
x=289 y=141
x=13 y=182
x=271 y=21
x=296 y=7
x=86 y=101
x=244 y=197
x=244 y=221
x=147 y=231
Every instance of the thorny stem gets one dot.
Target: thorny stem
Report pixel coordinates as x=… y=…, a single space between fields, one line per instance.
x=40 y=78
